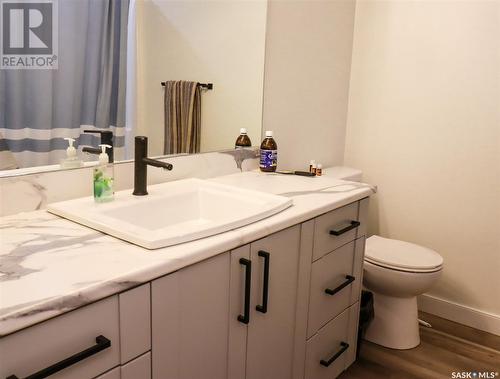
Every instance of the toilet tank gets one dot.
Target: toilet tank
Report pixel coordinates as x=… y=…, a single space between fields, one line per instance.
x=344 y=173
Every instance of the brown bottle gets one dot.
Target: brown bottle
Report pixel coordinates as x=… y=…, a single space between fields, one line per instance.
x=243 y=139
x=268 y=153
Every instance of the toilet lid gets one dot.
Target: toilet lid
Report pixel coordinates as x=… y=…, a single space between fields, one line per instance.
x=401 y=255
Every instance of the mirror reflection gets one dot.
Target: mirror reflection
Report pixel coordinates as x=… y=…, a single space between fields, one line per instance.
x=186 y=74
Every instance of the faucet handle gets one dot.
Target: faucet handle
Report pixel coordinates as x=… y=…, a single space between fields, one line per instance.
x=106 y=139
x=104 y=133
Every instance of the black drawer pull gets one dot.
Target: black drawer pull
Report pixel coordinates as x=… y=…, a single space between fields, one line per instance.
x=353 y=225
x=102 y=343
x=343 y=347
x=348 y=280
x=265 y=288
x=245 y=318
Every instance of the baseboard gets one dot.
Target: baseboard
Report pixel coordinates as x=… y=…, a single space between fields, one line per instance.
x=459 y=313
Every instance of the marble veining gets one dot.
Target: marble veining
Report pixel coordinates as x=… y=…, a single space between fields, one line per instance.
x=11 y=264
x=49 y=265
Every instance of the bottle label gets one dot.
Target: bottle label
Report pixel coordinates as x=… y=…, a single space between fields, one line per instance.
x=268 y=158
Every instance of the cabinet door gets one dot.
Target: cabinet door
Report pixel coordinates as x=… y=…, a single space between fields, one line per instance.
x=237 y=354
x=190 y=310
x=271 y=328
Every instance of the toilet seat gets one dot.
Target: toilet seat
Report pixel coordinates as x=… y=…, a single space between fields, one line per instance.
x=403 y=269
x=401 y=256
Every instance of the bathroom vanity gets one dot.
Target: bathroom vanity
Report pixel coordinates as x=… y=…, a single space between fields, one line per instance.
x=275 y=299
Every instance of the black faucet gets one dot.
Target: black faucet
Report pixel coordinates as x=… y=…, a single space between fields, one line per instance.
x=141 y=165
x=106 y=139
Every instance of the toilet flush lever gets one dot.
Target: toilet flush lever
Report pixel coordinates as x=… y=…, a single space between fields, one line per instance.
x=349 y=280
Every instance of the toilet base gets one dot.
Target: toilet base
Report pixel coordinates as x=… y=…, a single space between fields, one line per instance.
x=396 y=322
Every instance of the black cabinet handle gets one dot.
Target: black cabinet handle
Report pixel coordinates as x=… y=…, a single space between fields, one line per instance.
x=343 y=347
x=245 y=318
x=102 y=343
x=265 y=288
x=349 y=280
x=353 y=225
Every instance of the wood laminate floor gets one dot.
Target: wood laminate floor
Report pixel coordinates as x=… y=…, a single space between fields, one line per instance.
x=446 y=348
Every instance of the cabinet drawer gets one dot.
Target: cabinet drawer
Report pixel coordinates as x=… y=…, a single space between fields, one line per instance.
x=333 y=348
x=113 y=374
x=139 y=368
x=335 y=283
x=341 y=221
x=38 y=347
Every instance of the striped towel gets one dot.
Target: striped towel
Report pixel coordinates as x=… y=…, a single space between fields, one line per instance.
x=182 y=117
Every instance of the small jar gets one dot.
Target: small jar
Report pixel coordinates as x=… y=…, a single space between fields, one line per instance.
x=311 y=164
x=313 y=168
x=319 y=169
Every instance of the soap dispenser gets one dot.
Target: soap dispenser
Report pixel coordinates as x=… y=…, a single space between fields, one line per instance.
x=71 y=160
x=103 y=177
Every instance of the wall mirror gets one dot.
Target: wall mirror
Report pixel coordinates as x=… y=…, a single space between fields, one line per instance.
x=104 y=62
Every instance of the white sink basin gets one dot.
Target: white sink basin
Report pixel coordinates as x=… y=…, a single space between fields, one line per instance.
x=173 y=212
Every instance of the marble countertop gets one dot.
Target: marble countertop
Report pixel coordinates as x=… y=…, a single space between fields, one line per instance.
x=49 y=265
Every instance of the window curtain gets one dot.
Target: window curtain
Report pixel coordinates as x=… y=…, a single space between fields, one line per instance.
x=39 y=108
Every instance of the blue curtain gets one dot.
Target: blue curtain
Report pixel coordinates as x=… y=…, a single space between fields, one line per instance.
x=38 y=108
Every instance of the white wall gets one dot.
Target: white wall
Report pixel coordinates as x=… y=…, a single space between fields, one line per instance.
x=308 y=58
x=424 y=124
x=221 y=42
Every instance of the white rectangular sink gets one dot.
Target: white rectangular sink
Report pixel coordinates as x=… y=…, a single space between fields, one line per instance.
x=173 y=212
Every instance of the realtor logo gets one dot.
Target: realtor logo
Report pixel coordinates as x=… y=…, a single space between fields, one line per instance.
x=28 y=34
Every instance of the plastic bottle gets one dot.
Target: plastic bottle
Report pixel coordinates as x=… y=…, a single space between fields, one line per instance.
x=268 y=153
x=243 y=139
x=319 y=169
x=311 y=164
x=103 y=178
x=71 y=160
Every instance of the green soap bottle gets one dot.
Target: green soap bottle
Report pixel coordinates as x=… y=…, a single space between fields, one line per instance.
x=103 y=178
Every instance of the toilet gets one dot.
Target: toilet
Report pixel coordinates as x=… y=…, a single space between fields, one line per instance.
x=397 y=272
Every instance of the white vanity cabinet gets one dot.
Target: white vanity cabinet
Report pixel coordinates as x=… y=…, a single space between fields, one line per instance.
x=230 y=315
x=190 y=310
x=283 y=307
x=44 y=346
x=262 y=311
x=83 y=343
x=326 y=343
x=308 y=327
